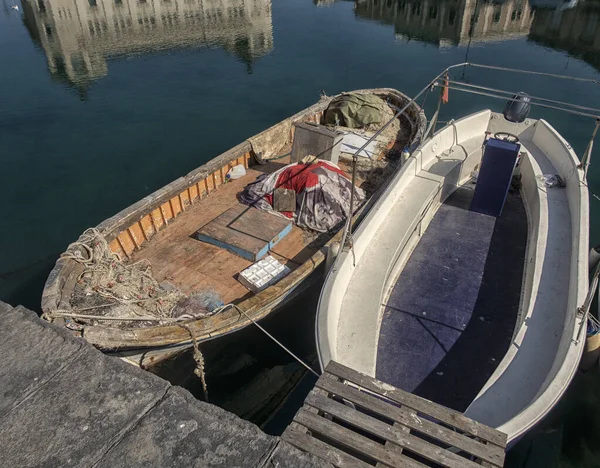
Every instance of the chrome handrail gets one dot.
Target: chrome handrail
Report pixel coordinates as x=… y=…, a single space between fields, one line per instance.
x=587 y=303
x=488 y=92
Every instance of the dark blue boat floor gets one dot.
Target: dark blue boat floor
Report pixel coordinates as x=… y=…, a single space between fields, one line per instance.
x=450 y=317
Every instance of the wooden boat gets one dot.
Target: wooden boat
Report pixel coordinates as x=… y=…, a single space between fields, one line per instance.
x=159 y=229
x=445 y=297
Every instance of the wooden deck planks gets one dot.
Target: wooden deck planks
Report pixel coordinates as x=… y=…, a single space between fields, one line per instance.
x=377 y=424
x=193 y=265
x=439 y=412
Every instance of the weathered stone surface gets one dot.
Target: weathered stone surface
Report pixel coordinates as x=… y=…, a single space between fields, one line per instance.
x=4 y=308
x=32 y=353
x=181 y=431
x=288 y=456
x=65 y=404
x=79 y=414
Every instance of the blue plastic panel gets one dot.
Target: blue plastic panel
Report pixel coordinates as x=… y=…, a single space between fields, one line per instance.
x=495 y=175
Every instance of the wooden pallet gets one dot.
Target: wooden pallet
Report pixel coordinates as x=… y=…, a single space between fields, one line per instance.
x=352 y=420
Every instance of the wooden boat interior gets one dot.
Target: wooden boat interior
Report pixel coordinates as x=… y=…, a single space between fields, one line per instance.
x=160 y=228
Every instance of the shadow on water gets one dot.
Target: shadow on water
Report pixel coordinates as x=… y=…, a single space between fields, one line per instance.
x=250 y=375
x=24 y=285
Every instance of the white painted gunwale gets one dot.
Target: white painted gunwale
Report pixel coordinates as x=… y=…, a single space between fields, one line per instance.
x=541 y=142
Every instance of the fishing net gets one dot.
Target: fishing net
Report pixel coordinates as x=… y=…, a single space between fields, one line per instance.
x=109 y=288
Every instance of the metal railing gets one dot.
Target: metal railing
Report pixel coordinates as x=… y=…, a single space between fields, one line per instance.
x=442 y=80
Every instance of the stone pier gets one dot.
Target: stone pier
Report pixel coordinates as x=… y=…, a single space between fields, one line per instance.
x=65 y=404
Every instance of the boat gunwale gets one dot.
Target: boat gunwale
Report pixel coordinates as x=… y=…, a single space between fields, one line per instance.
x=60 y=282
x=571 y=346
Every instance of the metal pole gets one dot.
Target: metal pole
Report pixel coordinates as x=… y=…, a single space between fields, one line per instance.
x=547 y=106
x=529 y=72
x=585 y=308
x=510 y=94
x=377 y=133
x=587 y=156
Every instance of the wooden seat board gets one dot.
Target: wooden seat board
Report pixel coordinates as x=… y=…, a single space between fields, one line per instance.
x=246 y=231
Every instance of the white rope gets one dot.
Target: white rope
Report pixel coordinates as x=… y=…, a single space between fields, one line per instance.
x=310 y=369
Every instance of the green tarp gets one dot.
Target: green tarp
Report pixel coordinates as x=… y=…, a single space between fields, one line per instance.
x=355 y=110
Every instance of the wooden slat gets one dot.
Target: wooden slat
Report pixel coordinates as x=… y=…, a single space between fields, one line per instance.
x=354 y=441
x=184 y=199
x=490 y=453
x=157 y=219
x=115 y=247
x=175 y=206
x=300 y=439
x=385 y=431
x=126 y=242
x=210 y=183
x=147 y=227
x=166 y=211
x=393 y=448
x=136 y=234
x=441 y=413
x=193 y=192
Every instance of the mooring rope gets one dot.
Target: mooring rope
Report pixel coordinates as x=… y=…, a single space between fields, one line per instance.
x=198 y=358
x=310 y=369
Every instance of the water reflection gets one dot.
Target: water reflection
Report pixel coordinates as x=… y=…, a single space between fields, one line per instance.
x=451 y=22
x=576 y=31
x=79 y=35
x=571 y=25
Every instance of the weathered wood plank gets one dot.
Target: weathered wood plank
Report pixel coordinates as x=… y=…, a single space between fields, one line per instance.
x=441 y=413
x=147 y=227
x=301 y=440
x=210 y=183
x=378 y=428
x=175 y=206
x=353 y=441
x=193 y=190
x=126 y=242
x=157 y=219
x=184 y=199
x=245 y=231
x=166 y=211
x=137 y=235
x=393 y=448
x=490 y=453
x=115 y=247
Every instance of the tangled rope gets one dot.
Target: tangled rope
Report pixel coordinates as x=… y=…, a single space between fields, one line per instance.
x=198 y=358
x=134 y=297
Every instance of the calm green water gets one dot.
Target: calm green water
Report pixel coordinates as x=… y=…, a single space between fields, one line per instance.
x=105 y=101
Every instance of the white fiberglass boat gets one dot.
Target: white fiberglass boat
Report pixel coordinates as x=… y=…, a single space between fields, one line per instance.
x=466 y=280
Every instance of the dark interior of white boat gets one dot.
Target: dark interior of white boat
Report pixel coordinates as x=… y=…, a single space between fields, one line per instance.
x=451 y=314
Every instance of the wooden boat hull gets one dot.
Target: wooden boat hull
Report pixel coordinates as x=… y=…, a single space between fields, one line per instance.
x=543 y=354
x=129 y=231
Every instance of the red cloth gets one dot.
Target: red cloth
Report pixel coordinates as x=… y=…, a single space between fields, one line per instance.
x=300 y=177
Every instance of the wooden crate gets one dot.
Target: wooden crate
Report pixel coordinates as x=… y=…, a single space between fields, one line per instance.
x=245 y=231
x=352 y=420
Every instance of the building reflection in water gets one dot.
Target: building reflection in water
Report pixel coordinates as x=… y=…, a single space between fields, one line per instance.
x=576 y=31
x=448 y=22
x=79 y=35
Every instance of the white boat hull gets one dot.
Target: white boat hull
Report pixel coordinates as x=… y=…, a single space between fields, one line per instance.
x=544 y=352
